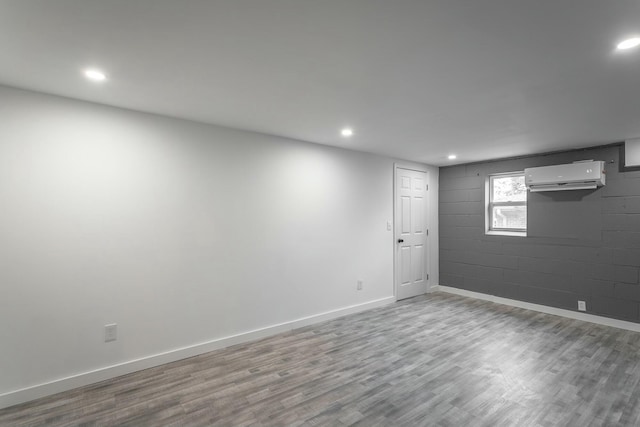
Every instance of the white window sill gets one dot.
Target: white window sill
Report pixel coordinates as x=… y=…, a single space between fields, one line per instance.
x=506 y=233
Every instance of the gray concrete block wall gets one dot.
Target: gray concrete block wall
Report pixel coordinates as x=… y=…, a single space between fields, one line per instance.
x=581 y=245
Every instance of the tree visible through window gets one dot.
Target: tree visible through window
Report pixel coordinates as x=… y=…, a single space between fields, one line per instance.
x=507 y=202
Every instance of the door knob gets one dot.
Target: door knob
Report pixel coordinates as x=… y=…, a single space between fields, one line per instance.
x=400 y=240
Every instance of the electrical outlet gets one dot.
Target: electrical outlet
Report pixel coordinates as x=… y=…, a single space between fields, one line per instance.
x=359 y=285
x=582 y=306
x=388 y=225
x=110 y=332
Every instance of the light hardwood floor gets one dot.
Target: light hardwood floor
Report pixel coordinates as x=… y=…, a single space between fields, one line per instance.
x=439 y=359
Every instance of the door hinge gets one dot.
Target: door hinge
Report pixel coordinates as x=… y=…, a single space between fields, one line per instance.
x=427 y=187
x=427 y=277
x=427 y=231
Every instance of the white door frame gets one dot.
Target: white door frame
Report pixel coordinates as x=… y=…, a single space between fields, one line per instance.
x=427 y=253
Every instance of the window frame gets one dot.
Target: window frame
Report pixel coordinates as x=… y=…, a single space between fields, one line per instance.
x=490 y=204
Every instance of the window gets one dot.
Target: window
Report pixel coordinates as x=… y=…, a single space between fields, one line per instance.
x=507 y=207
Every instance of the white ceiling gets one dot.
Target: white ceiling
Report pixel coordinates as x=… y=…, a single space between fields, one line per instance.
x=416 y=79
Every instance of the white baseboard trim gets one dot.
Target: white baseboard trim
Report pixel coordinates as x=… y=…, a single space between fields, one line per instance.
x=592 y=318
x=63 y=384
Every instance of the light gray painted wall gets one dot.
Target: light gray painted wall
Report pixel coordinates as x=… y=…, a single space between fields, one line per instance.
x=179 y=232
x=581 y=245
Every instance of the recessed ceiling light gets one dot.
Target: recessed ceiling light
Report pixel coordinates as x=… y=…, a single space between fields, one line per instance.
x=452 y=157
x=95 y=75
x=346 y=132
x=629 y=43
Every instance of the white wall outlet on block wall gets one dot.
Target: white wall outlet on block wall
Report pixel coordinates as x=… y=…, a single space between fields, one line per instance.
x=582 y=306
x=110 y=332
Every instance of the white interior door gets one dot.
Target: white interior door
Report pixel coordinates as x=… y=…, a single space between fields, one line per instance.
x=411 y=233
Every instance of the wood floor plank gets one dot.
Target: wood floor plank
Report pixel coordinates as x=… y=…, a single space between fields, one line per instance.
x=439 y=359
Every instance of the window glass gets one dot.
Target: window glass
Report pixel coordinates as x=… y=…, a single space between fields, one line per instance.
x=509 y=189
x=510 y=217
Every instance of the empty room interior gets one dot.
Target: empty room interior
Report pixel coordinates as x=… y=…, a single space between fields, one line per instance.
x=319 y=212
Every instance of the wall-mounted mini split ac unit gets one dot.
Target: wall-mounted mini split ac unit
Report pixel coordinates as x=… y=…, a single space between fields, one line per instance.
x=584 y=175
